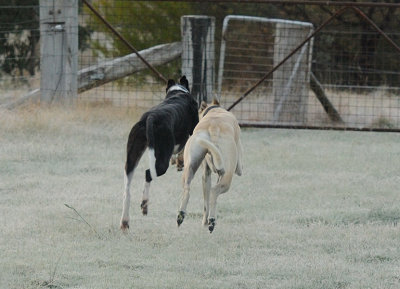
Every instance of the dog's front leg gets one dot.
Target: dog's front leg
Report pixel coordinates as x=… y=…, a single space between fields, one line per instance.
x=179 y=161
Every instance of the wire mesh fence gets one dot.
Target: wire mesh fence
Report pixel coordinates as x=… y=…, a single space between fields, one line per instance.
x=346 y=76
x=19 y=50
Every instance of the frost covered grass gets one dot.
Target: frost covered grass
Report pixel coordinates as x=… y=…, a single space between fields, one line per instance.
x=313 y=209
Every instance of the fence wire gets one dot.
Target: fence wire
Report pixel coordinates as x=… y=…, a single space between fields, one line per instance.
x=354 y=65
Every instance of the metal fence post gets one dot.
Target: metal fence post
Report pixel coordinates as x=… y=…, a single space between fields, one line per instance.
x=58 y=50
x=198 y=54
x=290 y=81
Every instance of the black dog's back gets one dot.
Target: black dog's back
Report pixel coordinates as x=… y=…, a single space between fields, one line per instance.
x=177 y=113
x=163 y=127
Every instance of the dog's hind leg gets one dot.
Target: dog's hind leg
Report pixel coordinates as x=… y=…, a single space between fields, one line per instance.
x=188 y=175
x=135 y=148
x=193 y=156
x=126 y=202
x=239 y=165
x=187 y=179
x=221 y=187
x=206 y=191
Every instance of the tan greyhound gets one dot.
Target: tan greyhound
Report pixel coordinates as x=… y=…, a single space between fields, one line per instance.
x=215 y=143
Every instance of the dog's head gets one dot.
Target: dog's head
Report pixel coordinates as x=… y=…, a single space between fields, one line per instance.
x=182 y=86
x=204 y=107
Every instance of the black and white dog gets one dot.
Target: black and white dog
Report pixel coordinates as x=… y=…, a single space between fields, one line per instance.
x=164 y=130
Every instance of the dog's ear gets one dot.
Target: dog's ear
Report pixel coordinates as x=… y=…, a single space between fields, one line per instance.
x=203 y=106
x=215 y=102
x=170 y=83
x=184 y=82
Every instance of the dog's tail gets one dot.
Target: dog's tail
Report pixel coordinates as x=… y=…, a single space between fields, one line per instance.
x=218 y=160
x=151 y=144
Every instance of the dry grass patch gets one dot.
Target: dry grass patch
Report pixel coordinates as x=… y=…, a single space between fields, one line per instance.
x=314 y=209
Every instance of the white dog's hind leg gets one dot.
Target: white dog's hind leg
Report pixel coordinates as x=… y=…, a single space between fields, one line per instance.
x=152 y=163
x=126 y=201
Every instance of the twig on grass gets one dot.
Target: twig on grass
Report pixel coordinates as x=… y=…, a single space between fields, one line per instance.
x=83 y=219
x=50 y=283
x=53 y=272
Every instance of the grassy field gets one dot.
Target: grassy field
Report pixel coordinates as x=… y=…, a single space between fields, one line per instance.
x=313 y=210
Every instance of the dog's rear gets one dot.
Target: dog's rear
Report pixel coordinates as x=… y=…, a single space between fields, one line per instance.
x=219 y=132
x=216 y=143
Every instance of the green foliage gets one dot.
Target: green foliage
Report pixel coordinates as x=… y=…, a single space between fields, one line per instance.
x=143 y=24
x=349 y=50
x=364 y=53
x=20 y=36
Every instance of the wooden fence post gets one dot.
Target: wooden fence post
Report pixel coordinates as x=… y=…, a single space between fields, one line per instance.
x=58 y=50
x=198 y=54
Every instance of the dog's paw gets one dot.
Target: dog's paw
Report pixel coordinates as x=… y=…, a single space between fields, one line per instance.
x=144 y=207
x=124 y=225
x=179 y=219
x=179 y=166
x=221 y=172
x=211 y=224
